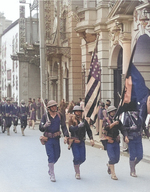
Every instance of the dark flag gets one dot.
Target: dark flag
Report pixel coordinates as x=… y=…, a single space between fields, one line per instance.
x=93 y=89
x=135 y=92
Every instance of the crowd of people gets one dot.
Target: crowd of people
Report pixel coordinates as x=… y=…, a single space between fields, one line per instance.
x=11 y=113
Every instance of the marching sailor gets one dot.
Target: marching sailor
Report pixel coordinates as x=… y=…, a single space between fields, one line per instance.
x=23 y=111
x=78 y=128
x=50 y=125
x=7 y=110
x=111 y=134
x=133 y=125
x=15 y=114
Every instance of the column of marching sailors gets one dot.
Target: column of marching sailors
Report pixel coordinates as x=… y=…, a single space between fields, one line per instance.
x=11 y=113
x=74 y=135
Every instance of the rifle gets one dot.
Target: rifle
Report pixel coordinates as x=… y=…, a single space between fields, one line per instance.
x=45 y=108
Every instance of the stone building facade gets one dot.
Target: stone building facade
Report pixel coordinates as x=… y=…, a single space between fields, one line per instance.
x=61 y=63
x=119 y=25
x=70 y=31
x=20 y=60
x=4 y=23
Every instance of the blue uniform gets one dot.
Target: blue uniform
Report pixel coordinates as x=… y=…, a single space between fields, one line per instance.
x=53 y=144
x=113 y=148
x=135 y=137
x=7 y=110
x=15 y=113
x=23 y=111
x=78 y=149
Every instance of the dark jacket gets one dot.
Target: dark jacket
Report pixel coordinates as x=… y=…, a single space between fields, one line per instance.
x=56 y=122
x=23 y=111
x=80 y=132
x=114 y=131
x=129 y=120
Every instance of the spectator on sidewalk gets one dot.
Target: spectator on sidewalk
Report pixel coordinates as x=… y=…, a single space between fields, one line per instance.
x=33 y=117
x=62 y=108
x=70 y=107
x=100 y=118
x=108 y=103
x=81 y=103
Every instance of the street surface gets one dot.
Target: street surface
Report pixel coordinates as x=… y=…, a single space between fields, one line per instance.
x=24 y=168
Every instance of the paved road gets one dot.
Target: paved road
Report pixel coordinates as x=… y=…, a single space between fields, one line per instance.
x=24 y=169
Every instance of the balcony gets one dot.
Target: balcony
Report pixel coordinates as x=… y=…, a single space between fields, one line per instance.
x=86 y=24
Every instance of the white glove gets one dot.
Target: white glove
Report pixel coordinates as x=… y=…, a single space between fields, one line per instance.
x=134 y=127
x=47 y=124
x=81 y=124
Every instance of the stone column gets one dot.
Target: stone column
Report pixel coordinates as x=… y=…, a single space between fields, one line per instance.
x=23 y=81
x=75 y=77
x=42 y=49
x=126 y=55
x=106 y=73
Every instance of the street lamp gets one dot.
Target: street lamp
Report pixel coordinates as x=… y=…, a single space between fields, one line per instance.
x=24 y=2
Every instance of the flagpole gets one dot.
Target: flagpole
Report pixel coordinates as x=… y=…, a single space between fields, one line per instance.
x=95 y=49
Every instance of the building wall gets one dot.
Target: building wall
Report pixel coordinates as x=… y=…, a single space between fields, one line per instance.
x=10 y=46
x=4 y=23
x=119 y=25
x=29 y=81
x=21 y=65
x=75 y=67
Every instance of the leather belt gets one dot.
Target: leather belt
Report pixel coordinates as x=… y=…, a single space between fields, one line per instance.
x=52 y=135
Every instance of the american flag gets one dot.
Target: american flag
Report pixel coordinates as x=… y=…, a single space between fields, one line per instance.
x=92 y=89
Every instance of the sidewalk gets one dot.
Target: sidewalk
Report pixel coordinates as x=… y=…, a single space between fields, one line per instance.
x=146 y=146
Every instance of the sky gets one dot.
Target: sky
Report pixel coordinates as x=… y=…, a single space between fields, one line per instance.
x=10 y=8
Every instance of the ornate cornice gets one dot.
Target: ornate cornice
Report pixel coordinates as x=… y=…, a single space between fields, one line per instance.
x=142 y=17
x=55 y=51
x=123 y=7
x=29 y=54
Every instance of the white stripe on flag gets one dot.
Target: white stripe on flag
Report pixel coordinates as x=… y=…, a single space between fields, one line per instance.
x=89 y=85
x=94 y=112
x=92 y=98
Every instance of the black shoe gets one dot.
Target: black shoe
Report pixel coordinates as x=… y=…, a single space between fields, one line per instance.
x=97 y=133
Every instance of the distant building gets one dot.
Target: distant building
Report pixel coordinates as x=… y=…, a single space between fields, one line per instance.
x=4 y=23
x=20 y=73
